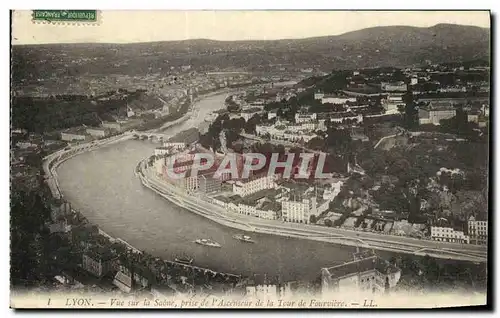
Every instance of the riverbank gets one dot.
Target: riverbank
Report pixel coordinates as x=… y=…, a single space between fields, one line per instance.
x=377 y=241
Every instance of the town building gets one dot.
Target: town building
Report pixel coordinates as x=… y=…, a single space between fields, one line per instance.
x=188 y=183
x=271 y=115
x=61 y=226
x=130 y=112
x=132 y=277
x=208 y=184
x=392 y=102
x=98 y=261
x=336 y=99
x=262 y=288
x=248 y=208
x=366 y=273
x=485 y=110
x=473 y=118
x=298 y=211
x=436 y=111
x=73 y=134
x=448 y=234
x=221 y=201
x=305 y=117
x=59 y=211
x=269 y=211
x=394 y=87
x=478 y=231
x=25 y=145
x=115 y=126
x=340 y=118
x=452 y=89
x=160 y=151
x=97 y=132
x=247 y=187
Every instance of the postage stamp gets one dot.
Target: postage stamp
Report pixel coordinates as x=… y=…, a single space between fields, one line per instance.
x=65 y=16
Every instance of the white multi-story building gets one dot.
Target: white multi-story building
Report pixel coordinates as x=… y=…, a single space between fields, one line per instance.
x=392 y=102
x=269 y=210
x=70 y=136
x=190 y=183
x=478 y=231
x=318 y=95
x=369 y=274
x=447 y=234
x=435 y=116
x=97 y=132
x=321 y=124
x=247 y=187
x=298 y=211
x=159 y=165
x=272 y=114
x=333 y=99
x=247 y=209
x=340 y=119
x=305 y=117
x=474 y=118
x=287 y=133
x=453 y=89
x=485 y=110
x=394 y=87
x=97 y=261
x=309 y=125
x=159 y=151
x=435 y=112
x=175 y=145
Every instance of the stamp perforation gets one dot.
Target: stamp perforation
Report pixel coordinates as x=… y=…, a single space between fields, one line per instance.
x=97 y=21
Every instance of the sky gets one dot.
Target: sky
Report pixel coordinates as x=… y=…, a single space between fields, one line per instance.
x=146 y=26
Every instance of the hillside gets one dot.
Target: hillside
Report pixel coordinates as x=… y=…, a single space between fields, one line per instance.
x=372 y=47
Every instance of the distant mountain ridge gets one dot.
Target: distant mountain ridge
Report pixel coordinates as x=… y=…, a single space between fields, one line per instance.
x=371 y=47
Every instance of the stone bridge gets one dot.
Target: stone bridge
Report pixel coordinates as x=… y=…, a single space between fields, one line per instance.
x=148 y=135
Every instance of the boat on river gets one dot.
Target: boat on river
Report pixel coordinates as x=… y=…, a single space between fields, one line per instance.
x=184 y=260
x=208 y=242
x=243 y=238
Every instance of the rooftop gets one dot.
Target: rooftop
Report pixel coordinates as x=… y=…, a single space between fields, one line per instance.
x=441 y=105
x=75 y=130
x=360 y=265
x=98 y=253
x=271 y=206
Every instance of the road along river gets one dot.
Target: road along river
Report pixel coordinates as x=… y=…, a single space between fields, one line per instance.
x=102 y=185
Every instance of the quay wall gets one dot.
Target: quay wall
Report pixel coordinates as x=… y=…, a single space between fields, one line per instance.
x=174 y=195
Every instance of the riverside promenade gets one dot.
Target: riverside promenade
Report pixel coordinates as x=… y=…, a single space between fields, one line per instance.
x=201 y=205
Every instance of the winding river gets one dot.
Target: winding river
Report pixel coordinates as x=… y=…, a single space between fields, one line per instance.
x=103 y=186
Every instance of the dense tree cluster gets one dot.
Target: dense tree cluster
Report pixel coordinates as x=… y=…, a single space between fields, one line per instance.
x=64 y=111
x=431 y=275
x=30 y=257
x=231 y=127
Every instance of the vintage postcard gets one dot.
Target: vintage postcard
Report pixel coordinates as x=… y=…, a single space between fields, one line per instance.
x=232 y=159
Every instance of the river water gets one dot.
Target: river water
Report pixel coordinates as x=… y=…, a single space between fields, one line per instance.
x=102 y=185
